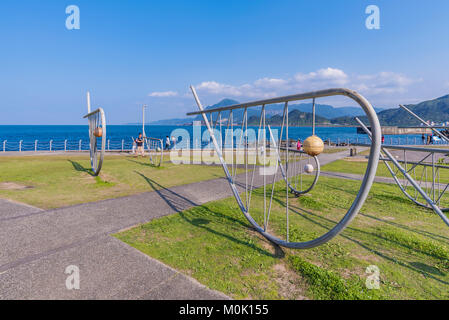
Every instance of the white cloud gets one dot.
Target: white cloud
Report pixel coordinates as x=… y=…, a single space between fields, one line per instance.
x=214 y=87
x=382 y=83
x=245 y=90
x=270 y=83
x=379 y=84
x=328 y=76
x=163 y=94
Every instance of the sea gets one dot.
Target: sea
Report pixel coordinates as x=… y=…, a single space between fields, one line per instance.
x=75 y=137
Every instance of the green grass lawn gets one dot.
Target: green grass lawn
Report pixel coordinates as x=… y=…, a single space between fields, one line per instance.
x=350 y=166
x=215 y=244
x=56 y=181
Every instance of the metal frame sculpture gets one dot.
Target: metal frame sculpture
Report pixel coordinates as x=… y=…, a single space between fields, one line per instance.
x=155 y=150
x=245 y=206
x=295 y=178
x=155 y=146
x=427 y=194
x=97 y=129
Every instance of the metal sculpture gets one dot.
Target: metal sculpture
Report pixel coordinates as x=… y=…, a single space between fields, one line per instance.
x=155 y=146
x=260 y=147
x=97 y=131
x=416 y=185
x=301 y=165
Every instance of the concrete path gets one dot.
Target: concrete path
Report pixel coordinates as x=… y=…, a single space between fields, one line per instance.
x=11 y=209
x=37 y=246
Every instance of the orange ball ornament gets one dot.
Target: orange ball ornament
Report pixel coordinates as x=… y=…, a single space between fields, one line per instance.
x=98 y=132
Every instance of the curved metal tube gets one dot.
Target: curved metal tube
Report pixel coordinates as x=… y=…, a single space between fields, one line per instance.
x=367 y=180
x=96 y=119
x=161 y=156
x=317 y=175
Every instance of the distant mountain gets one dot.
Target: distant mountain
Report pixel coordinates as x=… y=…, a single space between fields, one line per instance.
x=296 y=118
x=436 y=110
x=172 y=122
x=331 y=112
x=322 y=110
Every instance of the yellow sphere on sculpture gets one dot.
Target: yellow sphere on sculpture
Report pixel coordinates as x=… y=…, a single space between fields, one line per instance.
x=313 y=146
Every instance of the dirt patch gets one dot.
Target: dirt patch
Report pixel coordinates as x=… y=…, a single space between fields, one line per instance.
x=13 y=186
x=356 y=159
x=291 y=285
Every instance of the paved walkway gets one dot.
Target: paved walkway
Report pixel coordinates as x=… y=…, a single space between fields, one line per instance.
x=37 y=246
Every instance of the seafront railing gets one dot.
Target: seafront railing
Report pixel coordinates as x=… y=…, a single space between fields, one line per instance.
x=126 y=145
x=61 y=145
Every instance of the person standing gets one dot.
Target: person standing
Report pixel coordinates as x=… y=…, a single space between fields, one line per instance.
x=134 y=146
x=167 y=143
x=383 y=139
x=139 y=143
x=423 y=138
x=298 y=145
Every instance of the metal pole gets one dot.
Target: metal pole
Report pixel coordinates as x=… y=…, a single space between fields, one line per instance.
x=51 y=142
x=65 y=145
x=313 y=117
x=4 y=146
x=88 y=102
x=20 y=146
x=143 y=120
x=35 y=145
x=123 y=145
x=80 y=142
x=442 y=136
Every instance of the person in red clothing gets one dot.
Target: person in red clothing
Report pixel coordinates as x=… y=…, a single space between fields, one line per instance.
x=383 y=139
x=298 y=145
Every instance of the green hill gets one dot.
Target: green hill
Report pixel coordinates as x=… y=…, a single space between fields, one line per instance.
x=296 y=118
x=436 y=110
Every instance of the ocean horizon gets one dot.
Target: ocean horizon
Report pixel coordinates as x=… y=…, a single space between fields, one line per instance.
x=70 y=137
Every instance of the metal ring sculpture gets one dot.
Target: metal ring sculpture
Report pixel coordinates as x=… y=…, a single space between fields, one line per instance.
x=295 y=179
x=426 y=186
x=155 y=150
x=422 y=188
x=97 y=130
x=245 y=207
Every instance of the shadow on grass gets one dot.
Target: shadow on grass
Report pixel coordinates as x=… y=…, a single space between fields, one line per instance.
x=78 y=167
x=145 y=164
x=426 y=268
x=180 y=203
x=407 y=228
x=410 y=266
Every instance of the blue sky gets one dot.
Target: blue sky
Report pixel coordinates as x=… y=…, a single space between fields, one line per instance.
x=132 y=52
